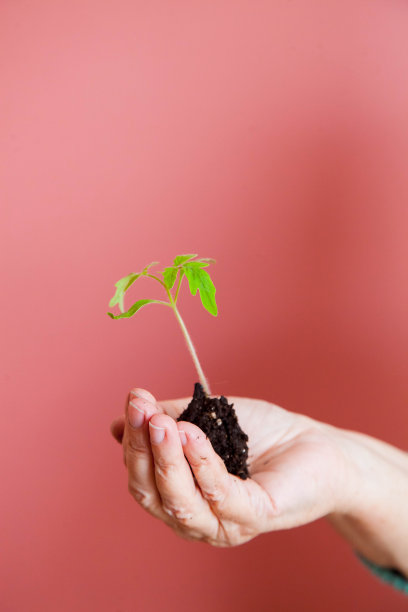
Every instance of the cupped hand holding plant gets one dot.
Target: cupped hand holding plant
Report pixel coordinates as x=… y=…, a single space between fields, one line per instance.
x=298 y=470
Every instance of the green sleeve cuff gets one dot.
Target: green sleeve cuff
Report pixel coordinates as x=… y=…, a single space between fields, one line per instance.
x=389 y=575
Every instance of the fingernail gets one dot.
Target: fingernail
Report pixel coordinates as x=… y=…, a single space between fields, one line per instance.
x=183 y=437
x=135 y=416
x=156 y=433
x=136 y=394
x=142 y=394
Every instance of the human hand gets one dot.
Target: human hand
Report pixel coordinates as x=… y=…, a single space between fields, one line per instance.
x=298 y=472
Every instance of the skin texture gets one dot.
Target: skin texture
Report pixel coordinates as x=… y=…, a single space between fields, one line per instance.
x=301 y=470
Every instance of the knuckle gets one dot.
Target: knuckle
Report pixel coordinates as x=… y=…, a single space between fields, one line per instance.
x=217 y=492
x=136 y=446
x=164 y=469
x=142 y=497
x=136 y=450
x=201 y=461
x=213 y=495
x=179 y=513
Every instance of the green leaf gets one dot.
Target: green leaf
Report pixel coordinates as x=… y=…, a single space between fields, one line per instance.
x=133 y=309
x=180 y=259
x=121 y=286
x=169 y=276
x=146 y=268
x=199 y=279
x=196 y=264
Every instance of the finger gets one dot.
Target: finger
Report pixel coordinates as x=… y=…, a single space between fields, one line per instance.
x=143 y=393
x=208 y=467
x=232 y=499
x=117 y=429
x=139 y=459
x=181 y=499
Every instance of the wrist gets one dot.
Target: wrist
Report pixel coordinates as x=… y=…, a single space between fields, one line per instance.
x=357 y=486
x=370 y=510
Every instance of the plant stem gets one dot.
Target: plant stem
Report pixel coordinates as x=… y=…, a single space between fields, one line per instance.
x=158 y=280
x=178 y=285
x=172 y=303
x=190 y=345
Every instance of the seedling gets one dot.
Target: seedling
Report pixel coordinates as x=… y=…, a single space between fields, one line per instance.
x=171 y=279
x=215 y=416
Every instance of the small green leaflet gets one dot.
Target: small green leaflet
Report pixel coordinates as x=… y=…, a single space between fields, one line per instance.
x=180 y=259
x=169 y=276
x=199 y=279
x=136 y=306
x=146 y=268
x=123 y=285
x=196 y=264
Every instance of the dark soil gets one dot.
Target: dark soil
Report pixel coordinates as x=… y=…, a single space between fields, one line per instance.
x=217 y=419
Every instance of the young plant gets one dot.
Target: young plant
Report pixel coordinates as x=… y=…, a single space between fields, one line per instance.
x=170 y=279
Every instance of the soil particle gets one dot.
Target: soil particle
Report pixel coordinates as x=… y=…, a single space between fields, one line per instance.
x=218 y=420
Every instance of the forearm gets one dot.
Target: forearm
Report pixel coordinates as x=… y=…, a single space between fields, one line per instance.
x=374 y=517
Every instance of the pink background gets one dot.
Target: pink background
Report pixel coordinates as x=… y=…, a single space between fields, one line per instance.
x=272 y=136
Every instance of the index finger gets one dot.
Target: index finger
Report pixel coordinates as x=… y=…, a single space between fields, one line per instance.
x=242 y=502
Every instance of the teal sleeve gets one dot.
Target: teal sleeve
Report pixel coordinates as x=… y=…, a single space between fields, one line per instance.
x=392 y=576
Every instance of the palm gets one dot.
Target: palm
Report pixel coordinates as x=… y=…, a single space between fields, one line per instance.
x=293 y=464
x=290 y=459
